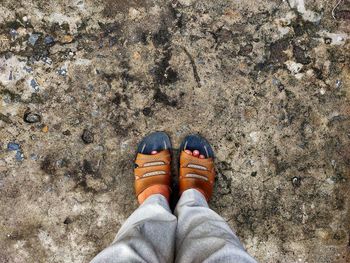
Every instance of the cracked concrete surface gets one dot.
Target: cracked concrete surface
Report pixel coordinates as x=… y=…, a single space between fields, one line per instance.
x=267 y=82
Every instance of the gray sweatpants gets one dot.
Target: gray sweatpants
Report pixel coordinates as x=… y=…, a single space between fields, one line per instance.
x=194 y=234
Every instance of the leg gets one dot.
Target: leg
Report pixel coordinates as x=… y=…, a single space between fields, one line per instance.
x=202 y=235
x=148 y=235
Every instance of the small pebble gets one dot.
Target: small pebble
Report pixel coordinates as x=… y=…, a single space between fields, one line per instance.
x=28 y=69
x=11 y=146
x=99 y=148
x=34 y=157
x=49 y=40
x=147 y=111
x=30 y=117
x=276 y=82
x=45 y=129
x=67 y=39
x=200 y=61
x=47 y=60
x=296 y=181
x=34 y=85
x=95 y=113
x=13 y=32
x=338 y=83
x=328 y=40
x=67 y=132
x=67 y=221
x=87 y=136
x=90 y=87
x=19 y=156
x=333 y=163
x=33 y=38
x=62 y=72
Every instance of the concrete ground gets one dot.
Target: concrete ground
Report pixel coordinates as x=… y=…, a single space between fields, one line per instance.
x=266 y=82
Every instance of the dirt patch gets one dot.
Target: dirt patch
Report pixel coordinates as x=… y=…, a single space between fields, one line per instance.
x=82 y=82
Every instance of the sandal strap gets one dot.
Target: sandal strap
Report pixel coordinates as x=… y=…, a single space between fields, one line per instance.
x=186 y=159
x=196 y=173
x=144 y=172
x=152 y=170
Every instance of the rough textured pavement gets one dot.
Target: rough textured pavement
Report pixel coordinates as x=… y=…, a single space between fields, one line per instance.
x=267 y=82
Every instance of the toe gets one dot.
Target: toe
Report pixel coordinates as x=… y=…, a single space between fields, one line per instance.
x=154 y=152
x=188 y=152
x=201 y=156
x=196 y=153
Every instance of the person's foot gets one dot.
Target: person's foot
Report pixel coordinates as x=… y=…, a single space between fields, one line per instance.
x=152 y=172
x=162 y=189
x=196 y=165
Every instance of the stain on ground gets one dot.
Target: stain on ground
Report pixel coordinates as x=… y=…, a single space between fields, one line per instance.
x=266 y=82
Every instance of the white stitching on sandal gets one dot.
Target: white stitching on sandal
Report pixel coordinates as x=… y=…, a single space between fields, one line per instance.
x=153 y=164
x=143 y=148
x=196 y=166
x=153 y=173
x=196 y=176
x=205 y=147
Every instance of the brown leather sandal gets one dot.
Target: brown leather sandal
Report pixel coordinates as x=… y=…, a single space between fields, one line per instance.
x=153 y=169
x=195 y=172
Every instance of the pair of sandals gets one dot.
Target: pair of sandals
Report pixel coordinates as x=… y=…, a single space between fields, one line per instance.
x=154 y=169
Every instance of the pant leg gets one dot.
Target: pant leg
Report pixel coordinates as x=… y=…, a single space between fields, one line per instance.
x=202 y=235
x=148 y=235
